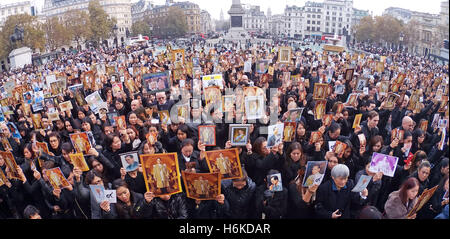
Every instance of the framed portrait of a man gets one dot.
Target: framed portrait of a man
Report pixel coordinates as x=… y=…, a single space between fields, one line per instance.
x=320 y=91
x=164 y=117
x=262 y=66
x=79 y=161
x=202 y=186
x=384 y=87
x=238 y=134
x=10 y=162
x=319 y=109
x=228 y=103
x=80 y=142
x=391 y=101
x=161 y=173
x=361 y=83
x=178 y=57
x=66 y=105
x=121 y=124
x=339 y=148
x=226 y=162
x=42 y=146
x=157 y=82
x=315 y=137
x=315 y=172
x=207 y=134
x=339 y=89
x=275 y=136
x=254 y=107
x=289 y=131
x=349 y=74
x=212 y=94
x=295 y=115
x=78 y=93
x=327 y=120
x=56 y=178
x=130 y=161
x=352 y=99
x=284 y=55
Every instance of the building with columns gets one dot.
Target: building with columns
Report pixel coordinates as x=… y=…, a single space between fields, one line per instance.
x=118 y=9
x=429 y=28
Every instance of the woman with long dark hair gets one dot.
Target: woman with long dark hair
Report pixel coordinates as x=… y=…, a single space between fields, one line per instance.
x=262 y=159
x=400 y=202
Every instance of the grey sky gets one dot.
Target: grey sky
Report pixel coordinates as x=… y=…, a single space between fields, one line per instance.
x=277 y=6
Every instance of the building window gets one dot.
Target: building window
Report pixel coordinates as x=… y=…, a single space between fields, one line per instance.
x=308 y=22
x=313 y=16
x=313 y=29
x=313 y=22
x=307 y=28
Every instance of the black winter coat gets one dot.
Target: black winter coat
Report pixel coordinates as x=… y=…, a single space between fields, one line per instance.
x=242 y=202
x=329 y=200
x=139 y=208
x=208 y=209
x=275 y=205
x=175 y=208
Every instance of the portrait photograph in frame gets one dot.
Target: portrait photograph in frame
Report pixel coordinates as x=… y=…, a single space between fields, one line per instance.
x=239 y=134
x=202 y=186
x=56 y=178
x=130 y=161
x=226 y=162
x=284 y=55
x=161 y=173
x=207 y=134
x=254 y=107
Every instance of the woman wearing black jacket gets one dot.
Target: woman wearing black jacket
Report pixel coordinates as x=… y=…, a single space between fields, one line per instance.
x=295 y=159
x=272 y=203
x=131 y=205
x=300 y=199
x=419 y=141
x=261 y=160
x=113 y=148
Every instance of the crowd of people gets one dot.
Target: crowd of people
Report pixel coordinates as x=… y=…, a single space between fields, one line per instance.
x=422 y=155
